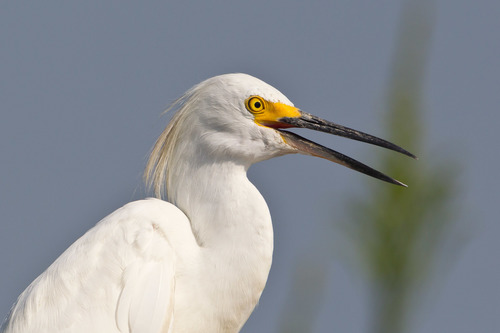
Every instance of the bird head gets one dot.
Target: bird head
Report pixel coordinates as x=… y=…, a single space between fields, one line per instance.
x=240 y=118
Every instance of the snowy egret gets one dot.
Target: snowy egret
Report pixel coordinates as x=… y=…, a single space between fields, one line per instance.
x=199 y=262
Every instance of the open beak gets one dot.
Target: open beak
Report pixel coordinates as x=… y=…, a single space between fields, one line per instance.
x=304 y=146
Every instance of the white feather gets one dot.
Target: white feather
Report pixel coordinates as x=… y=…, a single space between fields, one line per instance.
x=118 y=277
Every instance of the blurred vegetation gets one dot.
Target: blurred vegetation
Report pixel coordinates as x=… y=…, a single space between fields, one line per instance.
x=397 y=233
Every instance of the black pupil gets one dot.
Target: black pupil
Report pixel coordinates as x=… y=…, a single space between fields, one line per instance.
x=257 y=105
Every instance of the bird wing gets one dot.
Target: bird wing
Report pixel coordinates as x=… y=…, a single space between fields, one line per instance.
x=118 y=277
x=146 y=300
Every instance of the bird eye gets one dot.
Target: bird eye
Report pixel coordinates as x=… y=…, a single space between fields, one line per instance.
x=255 y=104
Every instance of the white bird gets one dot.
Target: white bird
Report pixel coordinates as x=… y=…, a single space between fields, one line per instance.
x=199 y=262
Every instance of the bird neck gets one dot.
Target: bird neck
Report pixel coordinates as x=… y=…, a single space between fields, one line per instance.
x=232 y=225
x=224 y=207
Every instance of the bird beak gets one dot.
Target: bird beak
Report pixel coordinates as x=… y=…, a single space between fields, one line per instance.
x=304 y=146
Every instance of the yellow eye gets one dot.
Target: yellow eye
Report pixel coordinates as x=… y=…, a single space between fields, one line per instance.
x=255 y=104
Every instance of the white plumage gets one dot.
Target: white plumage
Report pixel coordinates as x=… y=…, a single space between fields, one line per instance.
x=199 y=262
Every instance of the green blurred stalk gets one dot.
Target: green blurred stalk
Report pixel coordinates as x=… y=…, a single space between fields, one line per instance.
x=397 y=231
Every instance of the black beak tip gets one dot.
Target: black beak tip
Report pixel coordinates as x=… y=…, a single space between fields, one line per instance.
x=397 y=182
x=407 y=153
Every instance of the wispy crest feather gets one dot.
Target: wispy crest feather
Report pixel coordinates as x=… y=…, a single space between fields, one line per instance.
x=156 y=171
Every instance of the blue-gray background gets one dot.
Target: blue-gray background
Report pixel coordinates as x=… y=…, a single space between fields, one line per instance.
x=82 y=85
